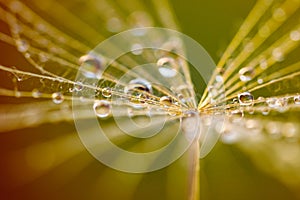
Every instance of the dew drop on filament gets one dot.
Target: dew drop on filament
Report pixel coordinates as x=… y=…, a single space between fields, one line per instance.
x=57 y=97
x=167 y=67
x=102 y=108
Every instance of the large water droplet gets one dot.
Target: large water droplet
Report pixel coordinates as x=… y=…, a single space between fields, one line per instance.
x=57 y=97
x=91 y=66
x=165 y=101
x=246 y=74
x=102 y=108
x=137 y=49
x=136 y=90
x=167 y=67
x=246 y=98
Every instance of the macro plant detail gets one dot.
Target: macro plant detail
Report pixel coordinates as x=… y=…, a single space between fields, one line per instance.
x=140 y=98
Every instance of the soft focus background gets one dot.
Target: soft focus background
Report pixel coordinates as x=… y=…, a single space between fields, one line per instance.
x=49 y=161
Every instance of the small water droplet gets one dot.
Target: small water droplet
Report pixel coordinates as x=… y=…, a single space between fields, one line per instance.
x=137 y=49
x=278 y=54
x=91 y=66
x=57 y=97
x=22 y=45
x=265 y=110
x=102 y=108
x=295 y=35
x=246 y=99
x=167 y=67
x=279 y=14
x=106 y=92
x=166 y=101
x=297 y=100
x=271 y=102
x=78 y=86
x=246 y=74
x=36 y=93
x=43 y=57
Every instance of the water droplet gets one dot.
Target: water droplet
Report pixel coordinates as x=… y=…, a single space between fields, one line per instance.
x=43 y=57
x=246 y=98
x=102 y=108
x=273 y=129
x=263 y=63
x=282 y=104
x=246 y=74
x=114 y=25
x=22 y=45
x=265 y=110
x=229 y=137
x=78 y=86
x=260 y=81
x=279 y=14
x=57 y=97
x=36 y=93
x=137 y=49
x=136 y=90
x=167 y=67
x=295 y=35
x=106 y=92
x=278 y=54
x=91 y=66
x=271 y=102
x=297 y=100
x=166 y=101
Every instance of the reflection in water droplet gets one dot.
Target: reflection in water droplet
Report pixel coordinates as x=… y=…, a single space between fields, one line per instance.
x=246 y=98
x=102 y=108
x=167 y=67
x=57 y=97
x=246 y=74
x=91 y=66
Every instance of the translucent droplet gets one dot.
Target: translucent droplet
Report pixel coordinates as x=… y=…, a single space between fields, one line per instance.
x=114 y=25
x=278 y=54
x=43 y=57
x=295 y=35
x=265 y=110
x=102 y=108
x=281 y=104
x=260 y=81
x=246 y=98
x=36 y=93
x=106 y=92
x=271 y=102
x=279 y=14
x=78 y=86
x=136 y=90
x=246 y=74
x=137 y=49
x=297 y=100
x=167 y=67
x=273 y=129
x=22 y=46
x=57 y=97
x=166 y=101
x=91 y=66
